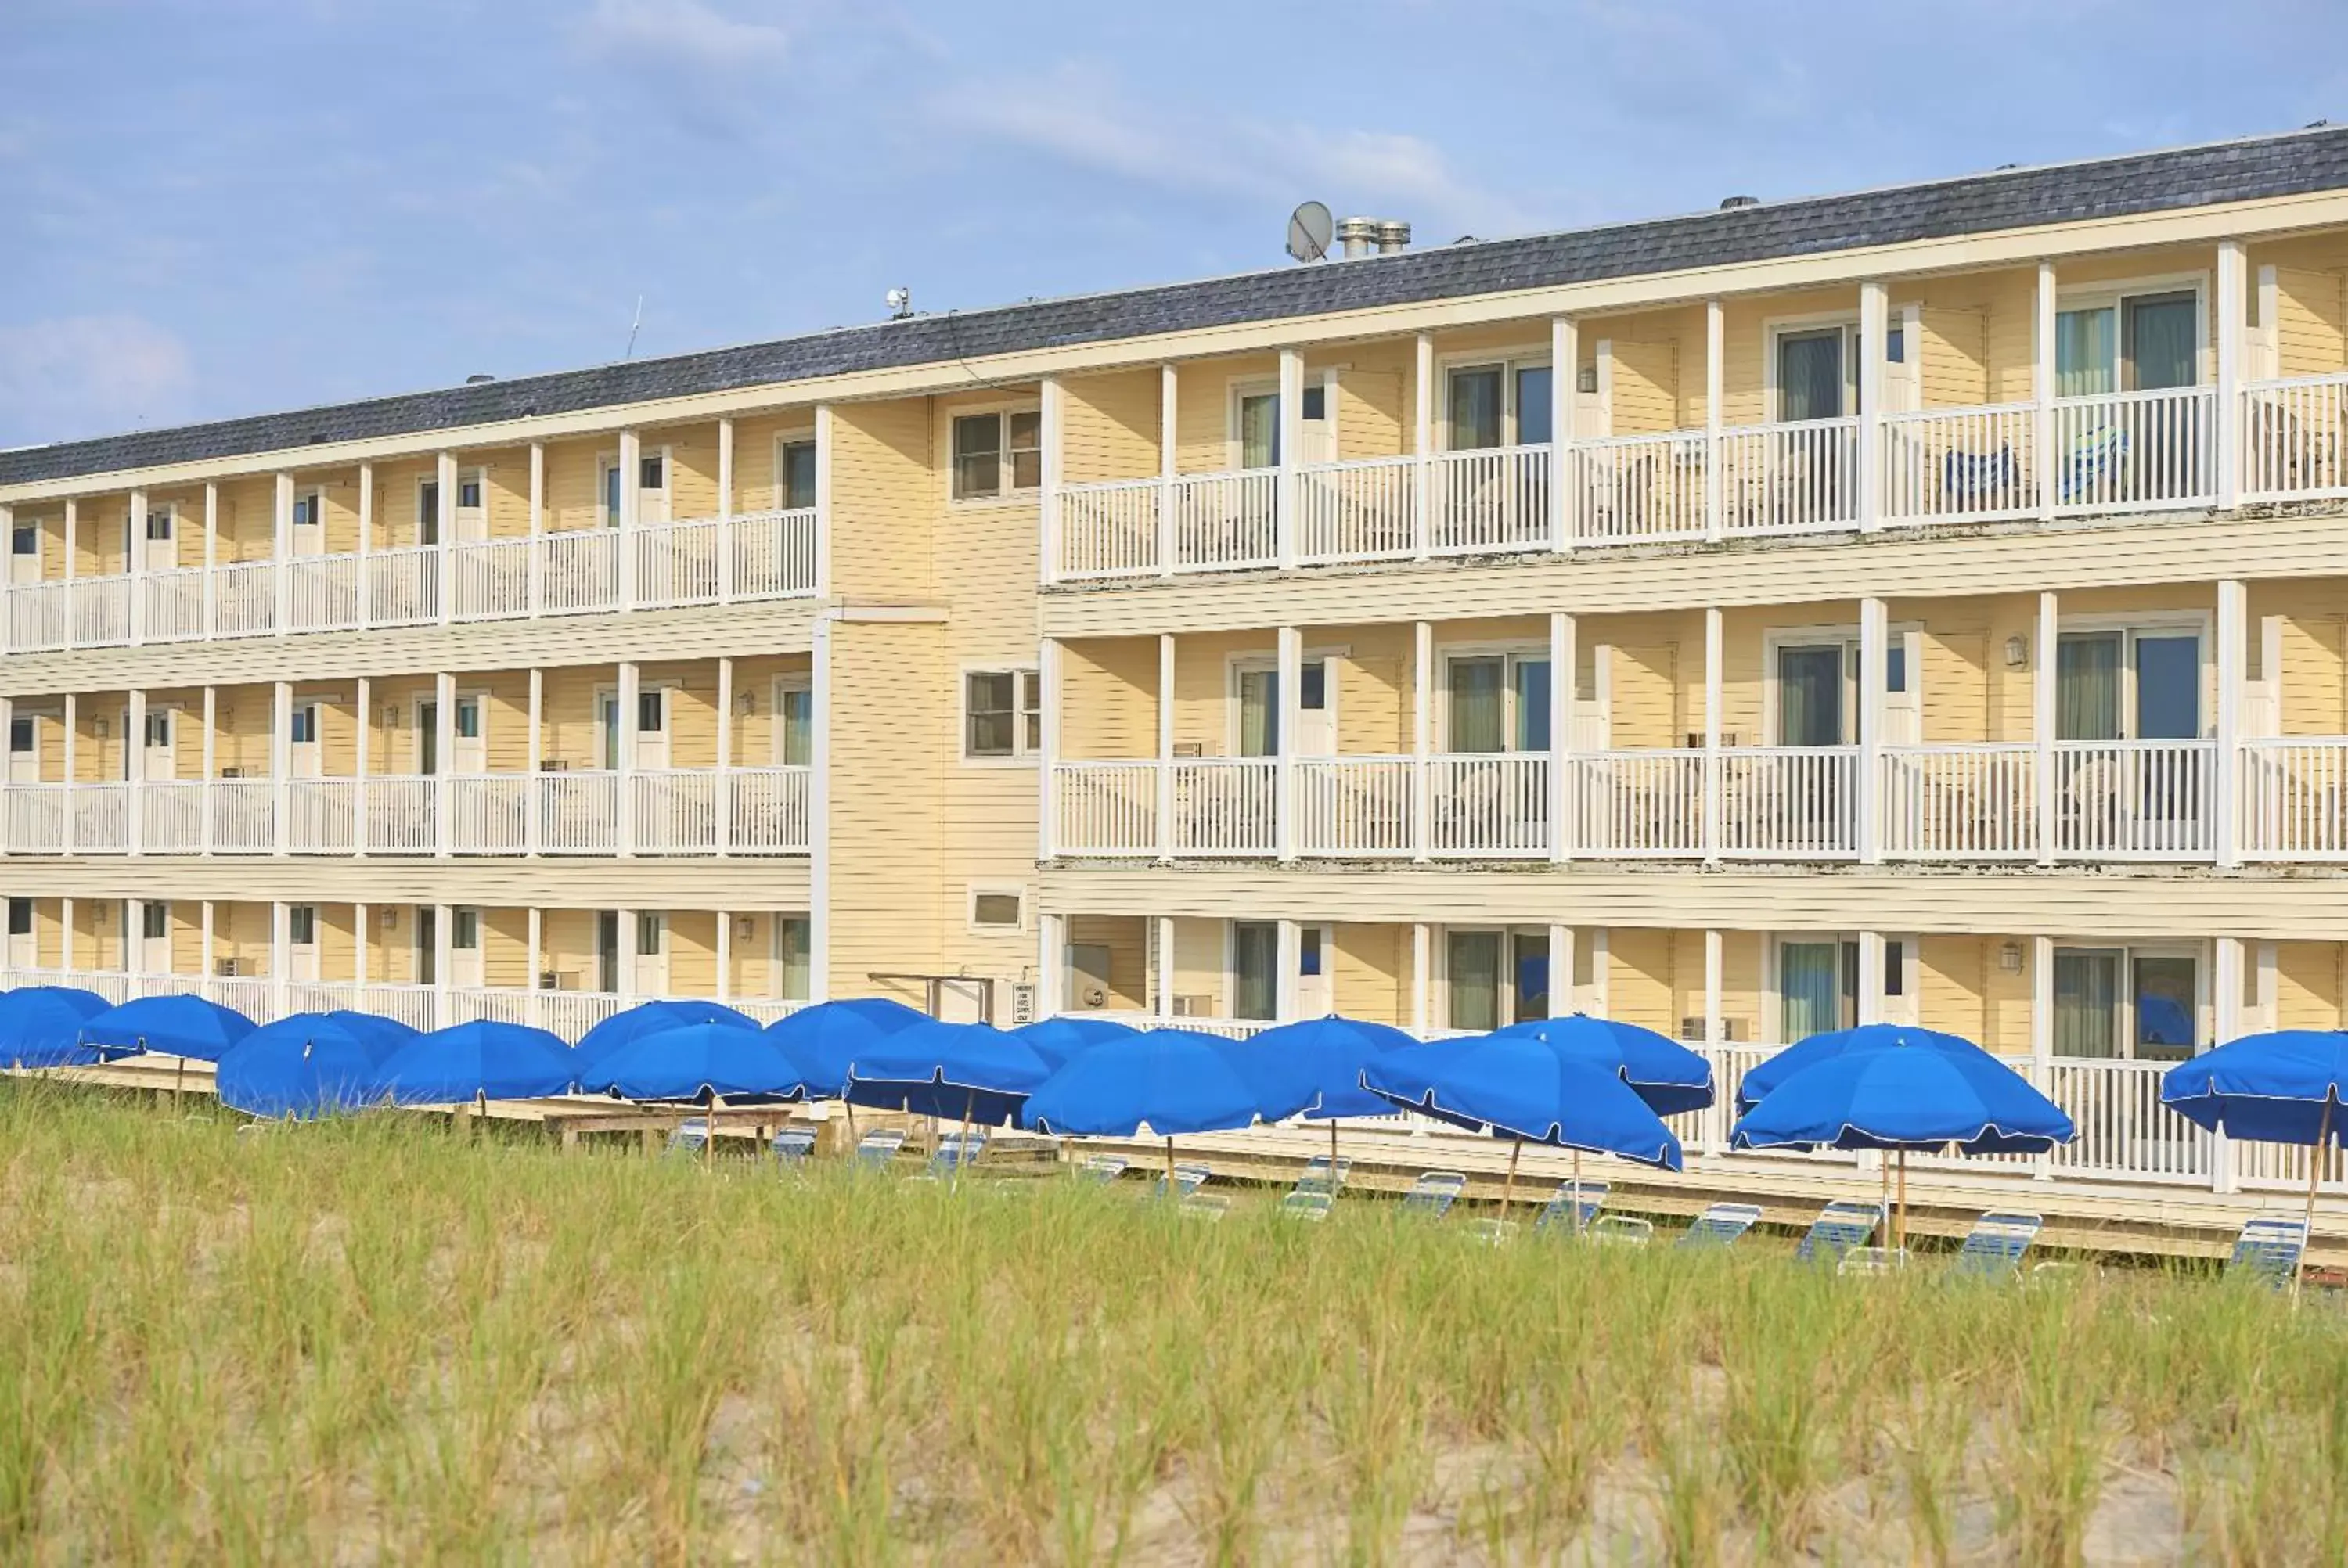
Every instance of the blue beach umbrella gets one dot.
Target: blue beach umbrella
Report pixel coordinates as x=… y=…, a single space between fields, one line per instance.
x=483 y=1060
x=183 y=1025
x=2284 y=1087
x=651 y=1017
x=380 y=1035
x=1667 y=1075
x=1313 y=1067
x=1828 y=1044
x=1176 y=1080
x=969 y=1073
x=696 y=1062
x=303 y=1065
x=1524 y=1087
x=826 y=1037
x=1901 y=1095
x=40 y=1026
x=1055 y=1040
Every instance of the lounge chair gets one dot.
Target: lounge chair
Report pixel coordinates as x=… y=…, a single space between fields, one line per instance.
x=880 y=1146
x=1871 y=1260
x=1720 y=1225
x=689 y=1138
x=1993 y=1249
x=1321 y=1174
x=1311 y=1204
x=1208 y=1206
x=2268 y=1250
x=955 y=1152
x=1492 y=1231
x=792 y=1146
x=1621 y=1230
x=1434 y=1193
x=1572 y=1207
x=1185 y=1180
x=1840 y=1227
x=1102 y=1168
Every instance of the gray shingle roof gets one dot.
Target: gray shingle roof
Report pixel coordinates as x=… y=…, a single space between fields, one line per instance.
x=2293 y=164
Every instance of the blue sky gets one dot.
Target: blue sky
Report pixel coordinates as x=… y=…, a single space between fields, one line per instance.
x=224 y=206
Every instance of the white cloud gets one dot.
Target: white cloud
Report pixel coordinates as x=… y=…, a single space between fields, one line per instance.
x=681 y=33
x=78 y=375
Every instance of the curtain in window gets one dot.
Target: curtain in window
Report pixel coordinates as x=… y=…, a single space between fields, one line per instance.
x=1474 y=971
x=1260 y=431
x=799 y=728
x=1475 y=409
x=1809 y=989
x=793 y=939
x=1259 y=712
x=2084 y=352
x=2086 y=1004
x=1477 y=716
x=1809 y=375
x=1809 y=696
x=1255 y=966
x=2087 y=687
x=1532 y=705
x=2161 y=341
x=1531 y=955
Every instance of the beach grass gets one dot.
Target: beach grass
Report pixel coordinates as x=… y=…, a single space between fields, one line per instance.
x=381 y=1339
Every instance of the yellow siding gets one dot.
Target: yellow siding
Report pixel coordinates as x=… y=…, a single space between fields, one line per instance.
x=1640 y=983
x=885 y=496
x=1953 y=984
x=1376 y=405
x=1202 y=409
x=1127 y=940
x=2307 y=985
x=892 y=722
x=1368 y=972
x=1110 y=427
x=1647 y=706
x=1646 y=387
x=1109 y=692
x=1373 y=686
x=1953 y=357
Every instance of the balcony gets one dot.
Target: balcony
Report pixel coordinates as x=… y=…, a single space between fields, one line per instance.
x=712 y=560
x=2065 y=457
x=701 y=812
x=2073 y=801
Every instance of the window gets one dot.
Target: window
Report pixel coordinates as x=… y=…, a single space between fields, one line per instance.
x=651 y=712
x=20 y=732
x=1472 y=975
x=20 y=917
x=1529 y=976
x=310 y=508
x=649 y=472
x=652 y=929
x=158 y=525
x=1895 y=968
x=1255 y=968
x=1811 y=382
x=2133 y=684
x=305 y=728
x=158 y=727
x=301 y=923
x=1499 y=406
x=468 y=492
x=997 y=909
x=1895 y=664
x=795 y=707
x=468 y=718
x=464 y=929
x=611 y=500
x=1308 y=951
x=1003 y=714
x=154 y=920
x=792 y=942
x=2132 y=343
x=1499 y=702
x=427 y=512
x=997 y=454
x=795 y=476
x=25 y=540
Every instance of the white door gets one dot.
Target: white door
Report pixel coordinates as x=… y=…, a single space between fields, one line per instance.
x=301 y=943
x=23 y=951
x=1314 y=950
x=465 y=949
x=1316 y=711
x=159 y=763
x=472 y=504
x=652 y=728
x=651 y=953
x=24 y=550
x=302 y=745
x=1317 y=430
x=24 y=748
x=158 y=545
x=471 y=726
x=310 y=523
x=652 y=489
x=1903 y=696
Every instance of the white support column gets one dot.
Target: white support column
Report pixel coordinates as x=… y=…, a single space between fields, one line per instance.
x=1870 y=977
x=1292 y=436
x=724 y=954
x=823 y=447
x=2226 y=984
x=2225 y=798
x=367 y=542
x=135 y=563
x=1053 y=420
x=281 y=956
x=212 y=751
x=1290 y=942
x=534 y=955
x=443 y=956
x=726 y=511
x=1874 y=330
x=1051 y=965
x=204 y=939
x=536 y=558
x=280 y=564
x=444 y=751
x=624 y=787
x=1563 y=1001
x=1165 y=746
x=1562 y=657
x=2232 y=305
x=281 y=762
x=1422 y=735
x=65 y=933
x=819 y=815
x=362 y=939
x=1047 y=766
x=7 y=725
x=630 y=471
x=1170 y=458
x=1564 y=361
x=1164 y=998
x=1713 y=641
x=73 y=545
x=534 y=803
x=722 y=786
x=2042 y=1030
x=2042 y=660
x=444 y=530
x=362 y=743
x=1283 y=794
x=1422 y=981
x=1874 y=652
x=1716 y=384
x=1714 y=969
x=69 y=744
x=134 y=771
x=2045 y=459
x=1422 y=445
x=212 y=549
x=630 y=924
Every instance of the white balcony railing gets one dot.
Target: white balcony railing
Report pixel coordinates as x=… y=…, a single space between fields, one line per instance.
x=764 y=811
x=1961 y=465
x=1351 y=807
x=1226 y=806
x=1224 y=521
x=1355 y=511
x=1959 y=802
x=1790 y=803
x=2126 y=450
x=1794 y=477
x=759 y=556
x=2294 y=439
x=1491 y=500
x=2133 y=800
x=1110 y=530
x=2294 y=799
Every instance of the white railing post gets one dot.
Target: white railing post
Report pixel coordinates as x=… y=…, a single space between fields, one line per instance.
x=366 y=545
x=73 y=549
x=65 y=796
x=2226 y=983
x=280 y=565
x=1422 y=735
x=281 y=762
x=444 y=531
x=2042 y=379
x=534 y=962
x=1162 y=961
x=536 y=559
x=7 y=757
x=212 y=751
x=1874 y=330
x=1047 y=676
x=1170 y=456
x=720 y=788
x=630 y=471
x=1422 y=446
x=624 y=787
x=1165 y=836
x=1291 y=435
x=444 y=947
x=1563 y=656
x=2225 y=804
x=360 y=747
x=1874 y=654
x=824 y=445
x=281 y=955
x=534 y=775
x=134 y=772
x=1053 y=419
x=725 y=513
x=1713 y=638
x=1564 y=373
x=1422 y=980
x=1715 y=966
x=1288 y=945
x=212 y=554
x=2041 y=725
x=1715 y=394
x=444 y=754
x=1283 y=794
x=2232 y=305
x=136 y=567
x=2041 y=1031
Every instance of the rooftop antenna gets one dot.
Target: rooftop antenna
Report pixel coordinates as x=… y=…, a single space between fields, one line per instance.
x=1310 y=230
x=632 y=328
x=900 y=302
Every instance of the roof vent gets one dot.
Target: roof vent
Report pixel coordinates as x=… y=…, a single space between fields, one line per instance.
x=1358 y=235
x=2318 y=124
x=1731 y=201
x=476 y=380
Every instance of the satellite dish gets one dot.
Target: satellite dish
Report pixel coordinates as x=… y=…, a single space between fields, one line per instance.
x=1310 y=230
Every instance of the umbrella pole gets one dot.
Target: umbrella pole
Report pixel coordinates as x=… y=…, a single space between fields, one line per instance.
x=1333 y=1153
x=179 y=1076
x=970 y=1102
x=709 y=1128
x=1575 y=1201
x=1508 y=1187
x=1169 y=1166
x=2314 y=1171
x=1900 y=1232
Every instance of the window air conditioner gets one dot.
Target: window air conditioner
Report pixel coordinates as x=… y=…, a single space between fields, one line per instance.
x=231 y=773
